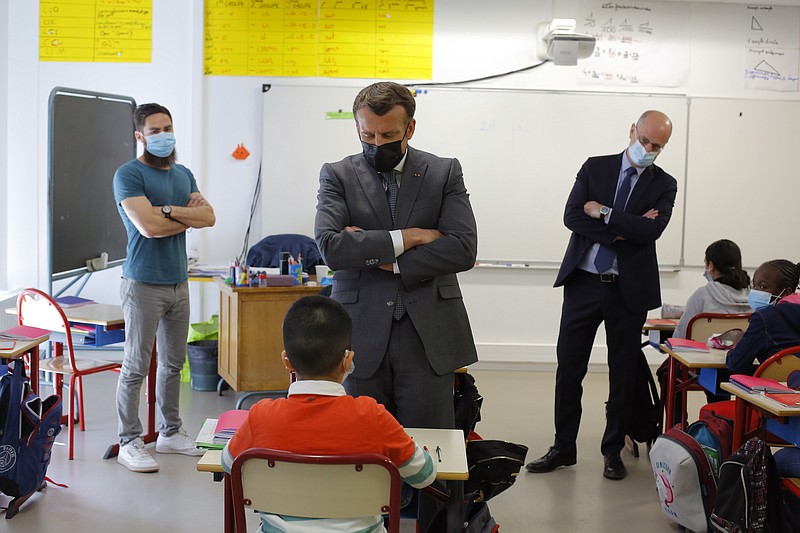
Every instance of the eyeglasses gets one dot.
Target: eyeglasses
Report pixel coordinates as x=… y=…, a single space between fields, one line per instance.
x=645 y=141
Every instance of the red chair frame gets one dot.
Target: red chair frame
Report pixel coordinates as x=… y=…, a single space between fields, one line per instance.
x=76 y=368
x=680 y=379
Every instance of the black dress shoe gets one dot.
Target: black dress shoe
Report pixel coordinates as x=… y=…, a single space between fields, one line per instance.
x=550 y=461
x=613 y=467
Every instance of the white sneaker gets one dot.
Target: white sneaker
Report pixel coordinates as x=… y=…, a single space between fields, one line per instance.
x=136 y=458
x=179 y=442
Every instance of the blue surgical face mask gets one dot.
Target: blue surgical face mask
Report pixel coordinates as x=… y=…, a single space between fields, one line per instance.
x=760 y=299
x=707 y=276
x=160 y=144
x=640 y=156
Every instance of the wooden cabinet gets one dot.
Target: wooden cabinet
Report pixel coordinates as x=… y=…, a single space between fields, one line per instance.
x=250 y=337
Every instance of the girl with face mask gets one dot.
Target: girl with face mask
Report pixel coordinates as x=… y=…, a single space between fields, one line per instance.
x=727 y=286
x=775 y=323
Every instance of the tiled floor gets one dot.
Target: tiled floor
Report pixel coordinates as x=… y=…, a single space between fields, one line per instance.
x=104 y=496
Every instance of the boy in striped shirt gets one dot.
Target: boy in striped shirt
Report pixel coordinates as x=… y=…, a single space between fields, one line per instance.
x=319 y=418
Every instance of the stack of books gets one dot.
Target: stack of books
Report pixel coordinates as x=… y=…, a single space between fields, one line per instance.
x=770 y=388
x=216 y=432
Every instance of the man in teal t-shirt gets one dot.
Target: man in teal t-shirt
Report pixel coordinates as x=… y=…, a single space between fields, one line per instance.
x=158 y=200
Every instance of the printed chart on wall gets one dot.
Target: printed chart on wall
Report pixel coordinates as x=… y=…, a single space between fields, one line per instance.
x=641 y=44
x=329 y=38
x=116 y=31
x=772 y=48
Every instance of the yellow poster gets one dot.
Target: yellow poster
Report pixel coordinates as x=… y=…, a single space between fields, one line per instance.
x=117 y=31
x=330 y=38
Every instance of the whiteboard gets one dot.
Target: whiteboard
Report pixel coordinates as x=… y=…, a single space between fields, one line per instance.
x=742 y=174
x=520 y=151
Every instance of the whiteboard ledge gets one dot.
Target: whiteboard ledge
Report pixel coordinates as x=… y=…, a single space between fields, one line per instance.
x=545 y=265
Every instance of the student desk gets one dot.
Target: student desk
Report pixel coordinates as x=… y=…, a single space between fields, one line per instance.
x=679 y=379
x=657 y=330
x=782 y=421
x=29 y=347
x=250 y=335
x=450 y=442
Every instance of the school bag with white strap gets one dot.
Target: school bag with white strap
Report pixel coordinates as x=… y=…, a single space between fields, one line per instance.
x=687 y=488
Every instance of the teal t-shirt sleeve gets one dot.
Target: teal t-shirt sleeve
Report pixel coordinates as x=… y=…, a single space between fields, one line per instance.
x=128 y=183
x=193 y=181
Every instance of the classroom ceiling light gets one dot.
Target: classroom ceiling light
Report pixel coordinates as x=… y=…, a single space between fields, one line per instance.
x=558 y=40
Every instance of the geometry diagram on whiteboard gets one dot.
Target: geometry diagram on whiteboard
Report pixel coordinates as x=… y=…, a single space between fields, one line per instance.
x=755 y=25
x=763 y=66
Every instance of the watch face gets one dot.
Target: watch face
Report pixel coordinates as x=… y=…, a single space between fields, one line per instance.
x=167 y=210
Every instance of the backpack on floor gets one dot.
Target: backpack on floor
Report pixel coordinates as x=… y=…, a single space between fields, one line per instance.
x=687 y=487
x=28 y=428
x=644 y=424
x=749 y=497
x=715 y=434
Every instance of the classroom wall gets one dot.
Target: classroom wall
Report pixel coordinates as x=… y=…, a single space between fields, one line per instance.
x=3 y=145
x=514 y=313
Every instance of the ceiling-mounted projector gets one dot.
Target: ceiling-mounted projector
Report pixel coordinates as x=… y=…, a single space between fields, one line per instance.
x=559 y=41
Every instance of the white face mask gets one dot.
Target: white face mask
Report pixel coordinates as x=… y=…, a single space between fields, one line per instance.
x=640 y=156
x=352 y=367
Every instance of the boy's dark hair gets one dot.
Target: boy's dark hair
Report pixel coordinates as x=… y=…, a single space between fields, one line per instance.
x=143 y=111
x=316 y=332
x=381 y=97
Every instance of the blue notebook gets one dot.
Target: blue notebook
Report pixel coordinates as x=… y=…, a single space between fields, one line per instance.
x=73 y=301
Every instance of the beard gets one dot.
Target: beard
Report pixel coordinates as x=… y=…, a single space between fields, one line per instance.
x=160 y=162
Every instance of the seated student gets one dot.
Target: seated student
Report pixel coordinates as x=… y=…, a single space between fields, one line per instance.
x=775 y=323
x=727 y=287
x=319 y=418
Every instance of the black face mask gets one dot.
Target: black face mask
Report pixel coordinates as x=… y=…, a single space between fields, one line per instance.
x=384 y=157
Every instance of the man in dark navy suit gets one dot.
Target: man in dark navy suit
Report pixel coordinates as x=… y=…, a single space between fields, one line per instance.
x=618 y=208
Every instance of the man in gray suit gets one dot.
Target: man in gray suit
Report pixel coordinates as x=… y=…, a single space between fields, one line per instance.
x=396 y=225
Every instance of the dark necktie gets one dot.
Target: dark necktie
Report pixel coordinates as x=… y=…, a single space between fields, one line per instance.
x=605 y=254
x=392 y=190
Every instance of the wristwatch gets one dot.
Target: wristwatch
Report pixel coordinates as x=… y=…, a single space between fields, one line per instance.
x=166 y=210
x=604 y=211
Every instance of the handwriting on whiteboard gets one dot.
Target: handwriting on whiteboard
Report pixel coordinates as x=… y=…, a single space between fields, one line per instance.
x=642 y=44
x=771 y=48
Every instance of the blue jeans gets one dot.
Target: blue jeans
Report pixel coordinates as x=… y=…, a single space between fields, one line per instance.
x=152 y=313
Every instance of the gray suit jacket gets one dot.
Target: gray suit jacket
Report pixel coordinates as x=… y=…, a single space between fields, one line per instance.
x=432 y=195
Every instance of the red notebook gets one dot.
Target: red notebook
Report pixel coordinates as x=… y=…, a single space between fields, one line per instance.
x=789 y=399
x=761 y=384
x=23 y=333
x=661 y=322
x=228 y=422
x=687 y=345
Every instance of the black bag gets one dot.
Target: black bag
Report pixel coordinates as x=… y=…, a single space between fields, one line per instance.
x=493 y=466
x=467 y=403
x=477 y=518
x=748 y=498
x=644 y=424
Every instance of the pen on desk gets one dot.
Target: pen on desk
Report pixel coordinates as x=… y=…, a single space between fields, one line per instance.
x=439 y=453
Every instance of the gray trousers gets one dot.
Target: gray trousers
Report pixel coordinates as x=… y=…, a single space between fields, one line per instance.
x=160 y=313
